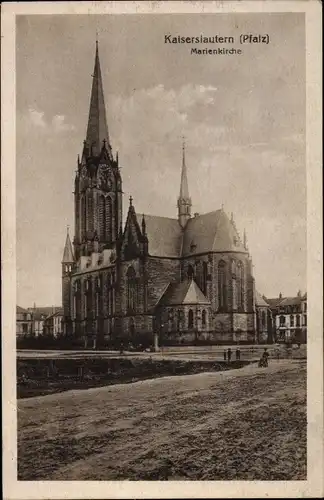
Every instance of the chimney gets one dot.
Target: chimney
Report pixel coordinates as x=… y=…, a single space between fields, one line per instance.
x=280 y=295
x=299 y=293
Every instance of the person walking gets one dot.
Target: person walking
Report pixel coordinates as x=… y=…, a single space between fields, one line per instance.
x=229 y=354
x=265 y=356
x=238 y=354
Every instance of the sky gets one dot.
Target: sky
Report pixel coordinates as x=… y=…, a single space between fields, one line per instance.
x=242 y=116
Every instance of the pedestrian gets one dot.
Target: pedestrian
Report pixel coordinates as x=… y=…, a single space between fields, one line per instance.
x=265 y=356
x=229 y=354
x=121 y=351
x=238 y=354
x=224 y=354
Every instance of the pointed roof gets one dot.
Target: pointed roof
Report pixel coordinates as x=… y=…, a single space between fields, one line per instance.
x=211 y=232
x=184 y=190
x=184 y=293
x=259 y=300
x=68 y=252
x=97 y=130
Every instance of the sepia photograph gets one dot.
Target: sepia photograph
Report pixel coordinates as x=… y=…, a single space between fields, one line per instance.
x=161 y=320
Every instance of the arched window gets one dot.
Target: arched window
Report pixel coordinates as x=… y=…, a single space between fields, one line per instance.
x=239 y=285
x=205 y=274
x=292 y=320
x=101 y=217
x=190 y=318
x=83 y=216
x=190 y=272
x=203 y=318
x=179 y=319
x=222 y=288
x=131 y=289
x=263 y=319
x=109 y=235
x=90 y=211
x=298 y=320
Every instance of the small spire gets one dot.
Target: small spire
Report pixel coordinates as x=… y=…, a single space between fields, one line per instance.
x=68 y=252
x=222 y=207
x=143 y=225
x=245 y=240
x=130 y=201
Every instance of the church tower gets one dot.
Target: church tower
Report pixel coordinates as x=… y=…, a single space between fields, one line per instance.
x=67 y=269
x=184 y=201
x=98 y=185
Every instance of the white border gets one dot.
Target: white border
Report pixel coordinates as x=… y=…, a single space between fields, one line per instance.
x=314 y=486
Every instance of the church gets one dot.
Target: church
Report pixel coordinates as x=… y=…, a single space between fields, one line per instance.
x=155 y=280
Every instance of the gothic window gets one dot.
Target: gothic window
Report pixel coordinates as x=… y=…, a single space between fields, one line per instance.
x=102 y=217
x=298 y=320
x=263 y=319
x=97 y=304
x=239 y=285
x=222 y=286
x=205 y=274
x=179 y=319
x=203 y=318
x=85 y=305
x=190 y=272
x=109 y=219
x=90 y=211
x=131 y=289
x=83 y=216
x=292 y=320
x=190 y=318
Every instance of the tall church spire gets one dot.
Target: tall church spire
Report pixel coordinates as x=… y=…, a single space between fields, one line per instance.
x=97 y=130
x=184 y=200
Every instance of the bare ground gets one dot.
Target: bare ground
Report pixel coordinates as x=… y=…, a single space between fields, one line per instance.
x=246 y=424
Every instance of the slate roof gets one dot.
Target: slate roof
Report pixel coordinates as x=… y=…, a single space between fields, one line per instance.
x=57 y=313
x=211 y=232
x=259 y=300
x=38 y=312
x=21 y=310
x=290 y=301
x=68 y=252
x=97 y=130
x=186 y=292
x=164 y=235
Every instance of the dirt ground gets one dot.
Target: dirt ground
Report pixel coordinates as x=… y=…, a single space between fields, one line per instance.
x=245 y=424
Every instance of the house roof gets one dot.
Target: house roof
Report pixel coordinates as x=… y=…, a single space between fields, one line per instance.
x=274 y=302
x=185 y=292
x=40 y=312
x=164 y=235
x=57 y=313
x=290 y=301
x=259 y=300
x=211 y=232
x=21 y=310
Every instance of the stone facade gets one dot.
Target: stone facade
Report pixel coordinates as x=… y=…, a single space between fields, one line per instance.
x=182 y=280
